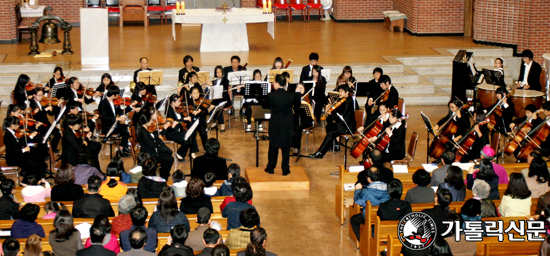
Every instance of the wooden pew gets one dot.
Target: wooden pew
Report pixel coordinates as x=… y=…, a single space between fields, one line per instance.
x=163 y=238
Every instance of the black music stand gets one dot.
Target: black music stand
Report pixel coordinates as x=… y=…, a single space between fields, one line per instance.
x=304 y=111
x=347 y=139
x=256 y=91
x=429 y=129
x=214 y=116
x=259 y=114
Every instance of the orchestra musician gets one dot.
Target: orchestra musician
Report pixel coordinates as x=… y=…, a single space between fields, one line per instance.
x=461 y=119
x=74 y=137
x=20 y=94
x=144 y=62
x=281 y=125
x=348 y=74
x=72 y=96
x=106 y=82
x=73 y=109
x=18 y=153
x=319 y=97
x=381 y=115
x=40 y=114
x=188 y=62
x=307 y=71
x=58 y=78
x=111 y=114
x=334 y=126
x=373 y=89
x=530 y=111
x=177 y=132
x=235 y=66
x=397 y=131
x=277 y=65
x=507 y=107
x=138 y=95
x=257 y=75
x=482 y=133
x=529 y=73
x=220 y=80
x=499 y=67
x=191 y=81
x=545 y=145
x=386 y=86
x=200 y=112
x=343 y=80
x=299 y=122
x=151 y=143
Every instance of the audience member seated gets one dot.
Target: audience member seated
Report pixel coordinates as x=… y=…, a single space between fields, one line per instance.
x=110 y=241
x=395 y=208
x=137 y=172
x=138 y=238
x=92 y=204
x=11 y=247
x=231 y=198
x=460 y=247
x=258 y=239
x=422 y=193
x=139 y=217
x=176 y=243
x=112 y=188
x=488 y=153
x=124 y=176
x=135 y=194
x=538 y=177
x=210 y=162
x=85 y=169
x=123 y=221
x=51 y=209
x=151 y=184
x=195 y=239
x=220 y=250
x=35 y=190
x=65 y=239
x=233 y=172
x=439 y=174
x=486 y=173
x=470 y=211
x=9 y=210
x=27 y=225
x=369 y=188
x=65 y=189
x=97 y=235
x=210 y=239
x=239 y=238
x=33 y=246
x=516 y=201
x=209 y=189
x=167 y=215
x=179 y=183
x=454 y=182
x=440 y=247
x=195 y=198
x=480 y=191
x=232 y=211
x=375 y=156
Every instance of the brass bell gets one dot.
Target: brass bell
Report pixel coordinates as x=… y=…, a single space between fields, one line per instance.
x=49 y=33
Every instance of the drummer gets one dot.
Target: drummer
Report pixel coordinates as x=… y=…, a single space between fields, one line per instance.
x=461 y=119
x=507 y=107
x=499 y=66
x=530 y=111
x=529 y=73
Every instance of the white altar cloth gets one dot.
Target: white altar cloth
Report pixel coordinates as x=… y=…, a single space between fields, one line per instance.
x=32 y=12
x=224 y=32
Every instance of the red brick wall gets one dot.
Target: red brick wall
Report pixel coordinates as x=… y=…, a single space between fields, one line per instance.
x=7 y=18
x=248 y=3
x=432 y=16
x=360 y=9
x=409 y=8
x=524 y=23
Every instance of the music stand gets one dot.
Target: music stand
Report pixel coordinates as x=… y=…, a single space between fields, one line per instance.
x=56 y=87
x=325 y=72
x=274 y=72
x=150 y=77
x=430 y=130
x=203 y=77
x=215 y=114
x=255 y=91
x=304 y=110
x=347 y=139
x=259 y=114
x=237 y=77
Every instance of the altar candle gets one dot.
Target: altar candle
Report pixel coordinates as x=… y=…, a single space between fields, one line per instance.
x=177 y=7
x=269 y=6
x=182 y=6
x=264 y=5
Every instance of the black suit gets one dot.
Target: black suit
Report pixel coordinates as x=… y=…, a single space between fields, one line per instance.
x=91 y=205
x=209 y=163
x=229 y=69
x=41 y=115
x=28 y=161
x=108 y=119
x=281 y=125
x=503 y=123
x=150 y=88
x=305 y=75
x=70 y=98
x=184 y=71
x=393 y=98
x=71 y=144
x=335 y=127
x=396 y=148
x=178 y=134
x=152 y=144
x=20 y=95
x=95 y=250
x=533 y=78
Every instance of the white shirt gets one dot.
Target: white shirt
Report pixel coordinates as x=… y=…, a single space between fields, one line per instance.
x=112 y=107
x=382 y=118
x=397 y=125
x=39 y=106
x=75 y=94
x=526 y=73
x=310 y=69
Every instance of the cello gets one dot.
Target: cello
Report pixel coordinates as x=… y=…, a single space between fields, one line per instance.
x=465 y=143
x=519 y=134
x=534 y=139
x=447 y=129
x=372 y=131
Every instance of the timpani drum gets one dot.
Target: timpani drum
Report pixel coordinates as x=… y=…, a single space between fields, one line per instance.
x=486 y=94
x=522 y=98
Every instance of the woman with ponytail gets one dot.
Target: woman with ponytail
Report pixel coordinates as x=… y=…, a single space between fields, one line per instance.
x=112 y=188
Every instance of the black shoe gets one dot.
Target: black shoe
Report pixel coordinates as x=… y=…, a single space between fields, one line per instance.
x=269 y=171
x=316 y=155
x=337 y=148
x=223 y=131
x=123 y=154
x=285 y=173
x=127 y=150
x=181 y=160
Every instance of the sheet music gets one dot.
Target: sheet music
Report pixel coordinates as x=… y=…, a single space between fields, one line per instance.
x=237 y=77
x=191 y=129
x=216 y=110
x=216 y=92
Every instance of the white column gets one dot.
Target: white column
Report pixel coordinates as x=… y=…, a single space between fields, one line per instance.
x=94 y=38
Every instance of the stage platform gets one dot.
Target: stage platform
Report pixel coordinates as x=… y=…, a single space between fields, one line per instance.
x=262 y=181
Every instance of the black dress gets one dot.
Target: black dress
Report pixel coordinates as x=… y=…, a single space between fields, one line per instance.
x=335 y=127
x=152 y=144
x=225 y=97
x=396 y=148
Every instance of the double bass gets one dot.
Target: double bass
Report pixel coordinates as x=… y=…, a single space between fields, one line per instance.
x=443 y=135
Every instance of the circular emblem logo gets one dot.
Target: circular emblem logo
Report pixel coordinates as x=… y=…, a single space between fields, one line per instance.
x=416 y=231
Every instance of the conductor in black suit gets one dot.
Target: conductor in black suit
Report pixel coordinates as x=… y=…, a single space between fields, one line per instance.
x=306 y=74
x=188 y=62
x=529 y=73
x=281 y=124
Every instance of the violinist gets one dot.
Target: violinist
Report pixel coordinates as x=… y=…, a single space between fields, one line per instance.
x=177 y=131
x=235 y=66
x=481 y=133
x=307 y=71
x=191 y=81
x=319 y=96
x=300 y=122
x=257 y=75
x=19 y=112
x=74 y=137
x=381 y=115
x=220 y=80
x=373 y=89
x=461 y=119
x=148 y=136
x=507 y=107
x=58 y=78
x=139 y=95
x=75 y=94
x=397 y=131
x=40 y=114
x=20 y=94
x=348 y=74
x=106 y=82
x=530 y=112
x=111 y=114
x=73 y=109
x=188 y=62
x=334 y=126
x=199 y=112
x=18 y=153
x=392 y=98
x=343 y=80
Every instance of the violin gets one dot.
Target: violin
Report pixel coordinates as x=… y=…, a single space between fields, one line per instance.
x=91 y=92
x=81 y=133
x=333 y=107
x=49 y=101
x=60 y=80
x=20 y=134
x=203 y=102
x=155 y=126
x=31 y=86
x=149 y=97
x=120 y=101
x=27 y=122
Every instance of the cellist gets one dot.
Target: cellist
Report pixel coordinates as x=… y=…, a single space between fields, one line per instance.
x=460 y=118
x=397 y=131
x=507 y=107
x=530 y=112
x=481 y=133
x=381 y=115
x=545 y=145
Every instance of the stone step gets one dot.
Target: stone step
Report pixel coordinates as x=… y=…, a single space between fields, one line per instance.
x=447 y=80
x=486 y=52
x=433 y=70
x=427 y=60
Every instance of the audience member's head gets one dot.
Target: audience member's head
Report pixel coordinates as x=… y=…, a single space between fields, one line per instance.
x=112 y=173
x=203 y=216
x=440 y=247
x=517 y=187
x=455 y=178
x=233 y=171
x=211 y=237
x=486 y=171
x=195 y=188
x=471 y=208
x=55 y=207
x=481 y=189
x=212 y=146
x=395 y=188
x=142 y=157
x=137 y=238
x=209 y=179
x=539 y=169
x=243 y=192
x=97 y=234
x=256 y=247
x=94 y=183
x=103 y=220
x=11 y=247
x=487 y=152
x=453 y=216
x=421 y=178
x=32 y=179
x=376 y=156
x=139 y=216
x=444 y=197
x=448 y=157
x=135 y=194
x=29 y=212
x=33 y=246
x=167 y=206
x=150 y=167
x=64 y=226
x=178 y=176
x=125 y=204
x=362 y=178
x=65 y=175
x=220 y=250
x=249 y=218
x=7 y=187
x=373 y=174
x=179 y=234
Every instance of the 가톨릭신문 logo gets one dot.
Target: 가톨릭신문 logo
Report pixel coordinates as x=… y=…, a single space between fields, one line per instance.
x=416 y=231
